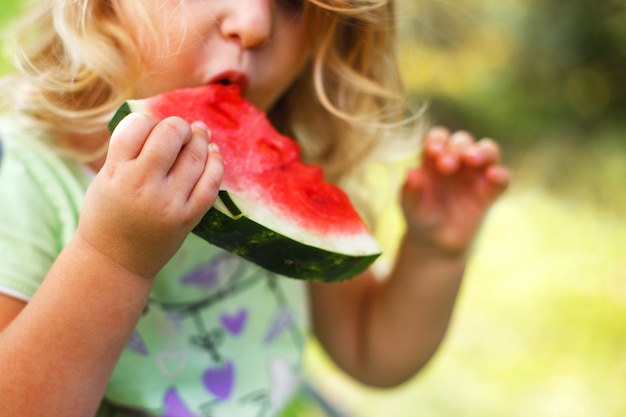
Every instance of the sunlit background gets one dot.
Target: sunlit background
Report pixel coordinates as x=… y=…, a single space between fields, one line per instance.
x=540 y=328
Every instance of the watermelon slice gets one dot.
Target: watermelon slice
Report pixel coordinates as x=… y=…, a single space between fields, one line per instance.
x=272 y=209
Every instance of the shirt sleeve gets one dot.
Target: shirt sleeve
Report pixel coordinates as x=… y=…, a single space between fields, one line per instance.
x=40 y=198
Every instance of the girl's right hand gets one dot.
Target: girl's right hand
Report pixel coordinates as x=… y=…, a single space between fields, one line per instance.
x=158 y=180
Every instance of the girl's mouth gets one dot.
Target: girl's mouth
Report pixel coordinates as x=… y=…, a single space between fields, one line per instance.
x=232 y=78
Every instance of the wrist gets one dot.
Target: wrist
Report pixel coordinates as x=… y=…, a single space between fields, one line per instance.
x=425 y=248
x=117 y=259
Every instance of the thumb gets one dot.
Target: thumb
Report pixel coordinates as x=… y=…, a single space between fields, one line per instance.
x=413 y=189
x=129 y=136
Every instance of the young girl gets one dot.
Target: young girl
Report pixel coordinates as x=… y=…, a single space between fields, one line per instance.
x=109 y=307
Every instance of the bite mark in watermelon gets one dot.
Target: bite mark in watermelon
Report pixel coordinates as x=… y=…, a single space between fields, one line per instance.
x=272 y=209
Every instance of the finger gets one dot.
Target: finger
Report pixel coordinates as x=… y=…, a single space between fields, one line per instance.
x=498 y=175
x=199 y=124
x=459 y=142
x=485 y=152
x=164 y=143
x=191 y=160
x=449 y=161
x=129 y=136
x=207 y=187
x=435 y=141
x=497 y=181
x=414 y=189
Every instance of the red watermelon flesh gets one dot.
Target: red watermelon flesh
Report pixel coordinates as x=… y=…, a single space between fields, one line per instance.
x=263 y=173
x=260 y=160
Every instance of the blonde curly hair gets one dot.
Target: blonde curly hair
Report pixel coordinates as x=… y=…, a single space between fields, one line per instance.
x=76 y=63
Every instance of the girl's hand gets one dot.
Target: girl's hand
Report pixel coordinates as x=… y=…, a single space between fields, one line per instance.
x=158 y=180
x=446 y=199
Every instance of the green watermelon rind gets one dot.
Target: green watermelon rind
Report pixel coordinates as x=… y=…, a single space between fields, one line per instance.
x=273 y=251
x=123 y=111
x=225 y=226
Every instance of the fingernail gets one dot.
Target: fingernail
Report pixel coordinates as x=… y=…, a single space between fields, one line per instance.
x=435 y=147
x=213 y=147
x=200 y=125
x=474 y=156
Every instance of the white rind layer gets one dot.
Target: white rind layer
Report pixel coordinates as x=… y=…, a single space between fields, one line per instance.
x=359 y=244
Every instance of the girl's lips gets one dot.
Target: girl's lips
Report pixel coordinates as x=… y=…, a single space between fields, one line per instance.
x=232 y=77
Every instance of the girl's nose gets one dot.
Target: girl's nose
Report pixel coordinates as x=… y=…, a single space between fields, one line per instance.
x=248 y=22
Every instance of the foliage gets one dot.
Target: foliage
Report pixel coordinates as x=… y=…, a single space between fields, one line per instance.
x=520 y=70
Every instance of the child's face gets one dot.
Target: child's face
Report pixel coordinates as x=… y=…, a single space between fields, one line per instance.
x=262 y=45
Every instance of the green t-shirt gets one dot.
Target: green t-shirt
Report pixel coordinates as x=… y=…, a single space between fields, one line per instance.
x=219 y=336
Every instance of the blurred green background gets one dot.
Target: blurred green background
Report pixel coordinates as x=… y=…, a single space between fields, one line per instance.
x=540 y=328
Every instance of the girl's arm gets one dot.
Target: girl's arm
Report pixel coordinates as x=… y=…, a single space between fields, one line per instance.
x=58 y=351
x=383 y=332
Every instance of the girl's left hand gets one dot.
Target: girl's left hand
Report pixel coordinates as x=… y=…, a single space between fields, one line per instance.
x=445 y=200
